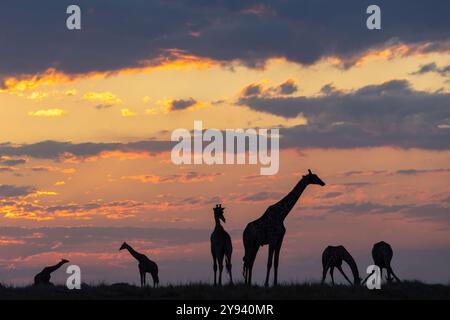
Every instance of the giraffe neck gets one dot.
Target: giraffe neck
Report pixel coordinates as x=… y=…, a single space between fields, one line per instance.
x=134 y=253
x=55 y=267
x=218 y=225
x=288 y=202
x=352 y=264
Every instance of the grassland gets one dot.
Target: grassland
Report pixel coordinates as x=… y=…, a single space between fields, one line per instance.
x=199 y=291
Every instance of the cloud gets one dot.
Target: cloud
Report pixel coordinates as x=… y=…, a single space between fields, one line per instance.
x=432 y=67
x=260 y=196
x=387 y=114
x=48 y=113
x=257 y=89
x=188 y=177
x=127 y=113
x=56 y=150
x=12 y=162
x=421 y=171
x=10 y=191
x=178 y=104
x=287 y=88
x=106 y=99
x=248 y=31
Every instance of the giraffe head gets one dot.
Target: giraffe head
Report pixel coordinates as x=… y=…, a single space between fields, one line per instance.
x=123 y=246
x=312 y=178
x=218 y=212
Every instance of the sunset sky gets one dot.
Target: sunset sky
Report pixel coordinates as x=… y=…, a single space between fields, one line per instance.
x=86 y=118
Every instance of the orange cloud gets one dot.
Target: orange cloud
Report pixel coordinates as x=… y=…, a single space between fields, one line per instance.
x=48 y=113
x=171 y=59
x=106 y=97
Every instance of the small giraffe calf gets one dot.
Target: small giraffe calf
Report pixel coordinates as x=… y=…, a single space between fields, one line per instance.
x=332 y=257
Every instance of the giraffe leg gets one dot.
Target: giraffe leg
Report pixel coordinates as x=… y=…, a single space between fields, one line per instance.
x=220 y=269
x=275 y=263
x=215 y=270
x=324 y=273
x=343 y=273
x=251 y=262
x=142 y=277
x=332 y=275
x=393 y=274
x=228 y=265
x=269 y=264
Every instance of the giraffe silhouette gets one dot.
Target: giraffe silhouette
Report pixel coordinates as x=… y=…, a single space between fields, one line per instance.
x=43 y=277
x=269 y=229
x=145 y=265
x=332 y=257
x=221 y=246
x=382 y=255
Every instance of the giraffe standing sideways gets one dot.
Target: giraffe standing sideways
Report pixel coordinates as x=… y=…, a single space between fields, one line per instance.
x=332 y=257
x=221 y=246
x=145 y=265
x=43 y=277
x=382 y=255
x=269 y=229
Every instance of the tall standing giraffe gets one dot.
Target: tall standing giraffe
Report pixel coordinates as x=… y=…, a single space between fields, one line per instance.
x=382 y=255
x=145 y=265
x=43 y=277
x=269 y=229
x=332 y=257
x=221 y=246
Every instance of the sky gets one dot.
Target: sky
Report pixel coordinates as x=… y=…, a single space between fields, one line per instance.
x=86 y=118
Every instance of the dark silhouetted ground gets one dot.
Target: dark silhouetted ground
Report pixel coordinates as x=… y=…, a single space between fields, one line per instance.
x=405 y=290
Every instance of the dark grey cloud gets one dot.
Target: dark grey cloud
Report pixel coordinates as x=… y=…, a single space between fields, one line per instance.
x=388 y=114
x=57 y=150
x=431 y=212
x=119 y=34
x=432 y=67
x=331 y=195
x=253 y=89
x=10 y=191
x=261 y=196
x=287 y=88
x=181 y=104
x=12 y=162
x=420 y=171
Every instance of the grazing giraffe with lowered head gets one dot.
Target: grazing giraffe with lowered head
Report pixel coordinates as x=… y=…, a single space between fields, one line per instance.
x=382 y=255
x=145 y=265
x=221 y=246
x=43 y=277
x=332 y=257
x=269 y=229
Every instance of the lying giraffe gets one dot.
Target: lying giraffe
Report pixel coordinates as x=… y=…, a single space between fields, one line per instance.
x=43 y=277
x=382 y=255
x=145 y=265
x=332 y=257
x=221 y=246
x=269 y=229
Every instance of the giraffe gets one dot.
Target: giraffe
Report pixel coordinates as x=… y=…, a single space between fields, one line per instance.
x=269 y=229
x=43 y=277
x=382 y=255
x=221 y=246
x=332 y=257
x=145 y=265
